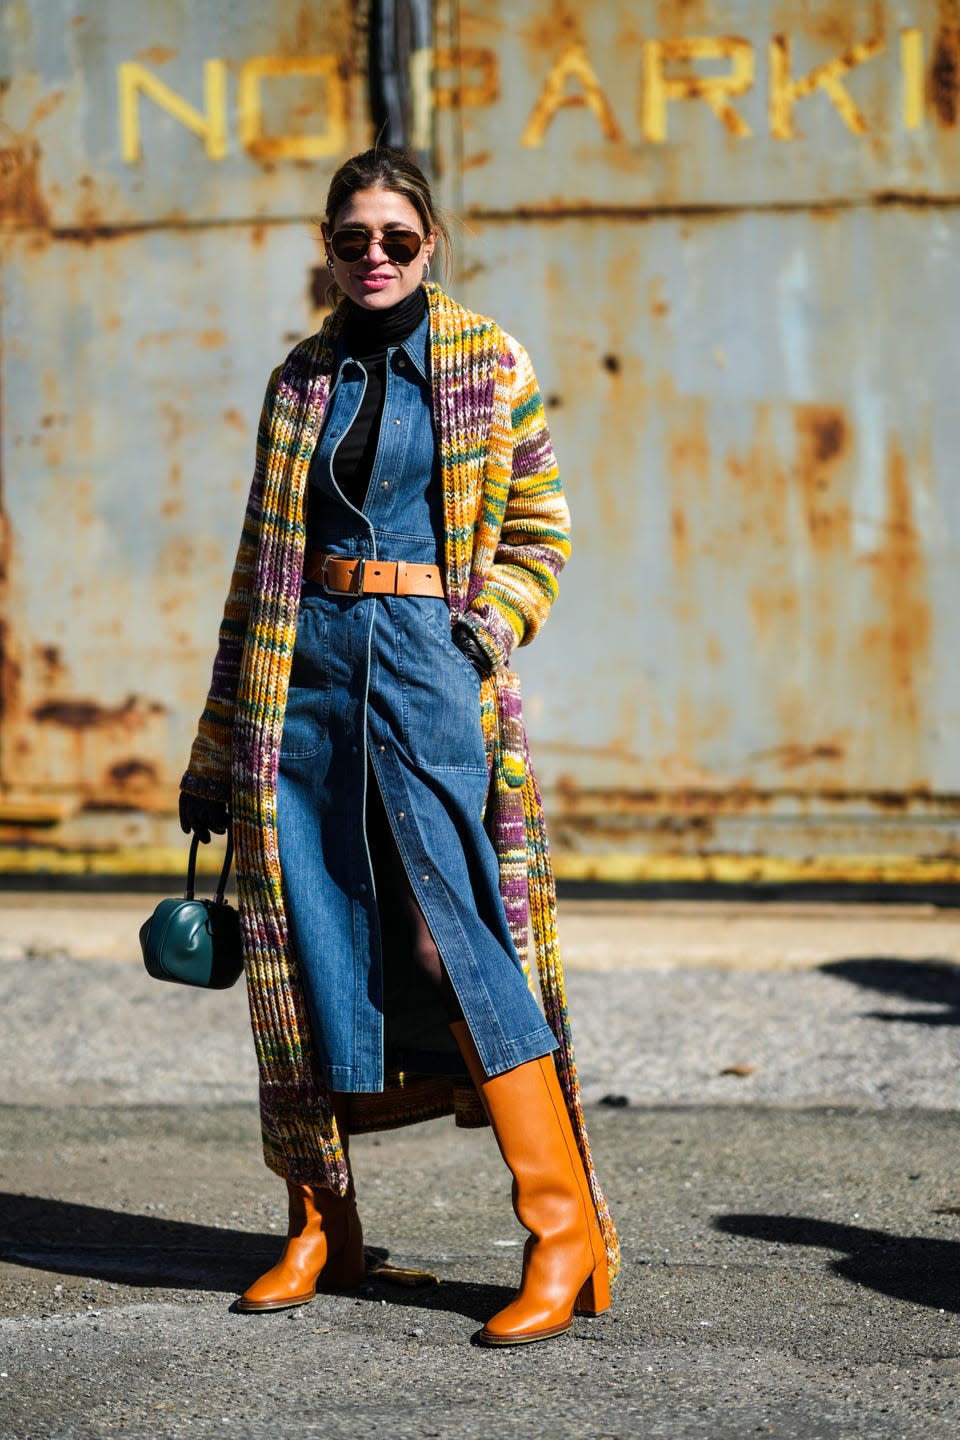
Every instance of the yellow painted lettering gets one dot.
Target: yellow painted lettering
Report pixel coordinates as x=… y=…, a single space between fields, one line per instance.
x=330 y=141
x=484 y=88
x=210 y=123
x=785 y=91
x=572 y=64
x=660 y=87
x=911 y=63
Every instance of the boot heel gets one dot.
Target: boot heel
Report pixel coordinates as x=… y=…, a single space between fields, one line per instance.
x=347 y=1268
x=594 y=1295
x=344 y=1272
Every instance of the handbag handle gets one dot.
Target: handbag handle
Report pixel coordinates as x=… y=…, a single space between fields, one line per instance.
x=224 y=873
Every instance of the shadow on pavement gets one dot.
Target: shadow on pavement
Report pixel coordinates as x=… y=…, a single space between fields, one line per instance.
x=914 y=1268
x=930 y=982
x=150 y=1252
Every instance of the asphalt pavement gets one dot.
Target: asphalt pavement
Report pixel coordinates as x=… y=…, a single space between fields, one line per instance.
x=771 y=1096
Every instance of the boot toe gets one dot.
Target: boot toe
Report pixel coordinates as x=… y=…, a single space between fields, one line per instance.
x=250 y=1304
x=520 y=1323
x=277 y=1290
x=496 y=1334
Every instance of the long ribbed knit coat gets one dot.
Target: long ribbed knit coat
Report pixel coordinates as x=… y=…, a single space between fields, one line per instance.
x=506 y=540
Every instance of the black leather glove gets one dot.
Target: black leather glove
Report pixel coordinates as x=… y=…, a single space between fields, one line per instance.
x=468 y=645
x=201 y=816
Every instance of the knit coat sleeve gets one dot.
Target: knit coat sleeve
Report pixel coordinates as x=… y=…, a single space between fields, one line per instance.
x=522 y=540
x=208 y=771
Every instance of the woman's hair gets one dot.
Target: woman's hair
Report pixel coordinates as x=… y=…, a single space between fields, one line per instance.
x=383 y=168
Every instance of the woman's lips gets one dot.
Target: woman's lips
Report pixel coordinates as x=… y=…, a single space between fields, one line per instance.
x=374 y=282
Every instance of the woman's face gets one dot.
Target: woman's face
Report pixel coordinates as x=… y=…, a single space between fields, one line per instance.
x=376 y=282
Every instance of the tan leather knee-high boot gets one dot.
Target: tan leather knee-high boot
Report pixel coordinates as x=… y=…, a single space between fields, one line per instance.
x=324 y=1244
x=564 y=1261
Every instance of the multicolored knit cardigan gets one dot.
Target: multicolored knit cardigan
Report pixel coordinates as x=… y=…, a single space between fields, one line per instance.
x=506 y=524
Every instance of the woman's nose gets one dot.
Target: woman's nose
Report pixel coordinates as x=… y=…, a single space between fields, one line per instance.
x=376 y=243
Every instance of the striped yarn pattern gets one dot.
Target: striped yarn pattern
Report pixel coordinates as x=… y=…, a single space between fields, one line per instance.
x=506 y=541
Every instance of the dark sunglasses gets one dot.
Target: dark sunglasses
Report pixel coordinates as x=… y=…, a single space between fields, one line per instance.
x=352 y=242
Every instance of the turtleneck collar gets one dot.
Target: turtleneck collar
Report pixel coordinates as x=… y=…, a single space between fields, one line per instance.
x=369 y=332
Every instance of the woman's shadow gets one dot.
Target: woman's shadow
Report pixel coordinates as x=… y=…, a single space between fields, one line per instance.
x=914 y=1268
x=150 y=1252
x=926 y=982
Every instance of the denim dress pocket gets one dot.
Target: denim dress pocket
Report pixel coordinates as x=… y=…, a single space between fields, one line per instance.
x=307 y=714
x=440 y=691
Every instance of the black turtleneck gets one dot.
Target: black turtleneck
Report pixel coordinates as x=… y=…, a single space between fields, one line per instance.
x=366 y=337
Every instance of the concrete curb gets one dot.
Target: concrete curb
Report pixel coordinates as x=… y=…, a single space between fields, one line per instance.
x=602 y=935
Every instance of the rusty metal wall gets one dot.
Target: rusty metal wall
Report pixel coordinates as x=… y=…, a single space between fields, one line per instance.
x=728 y=235
x=160 y=168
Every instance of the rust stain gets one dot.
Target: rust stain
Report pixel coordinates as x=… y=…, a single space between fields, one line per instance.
x=676 y=15
x=156 y=338
x=21 y=199
x=91 y=715
x=828 y=430
x=10 y=675
x=684 y=804
x=679 y=537
x=945 y=71
x=896 y=802
x=172 y=424
x=771 y=610
x=823 y=442
x=689 y=448
x=659 y=306
x=760 y=473
x=235 y=420
x=839 y=25
x=715 y=651
x=476 y=161
x=132 y=772
x=283 y=65
x=548 y=36
x=211 y=339
x=794 y=754
x=45 y=108
x=900 y=639
x=50 y=660
x=611 y=363
x=156 y=54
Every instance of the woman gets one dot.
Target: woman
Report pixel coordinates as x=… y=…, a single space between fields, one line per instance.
x=404 y=531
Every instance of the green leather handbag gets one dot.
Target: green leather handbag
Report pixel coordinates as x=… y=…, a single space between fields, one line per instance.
x=195 y=942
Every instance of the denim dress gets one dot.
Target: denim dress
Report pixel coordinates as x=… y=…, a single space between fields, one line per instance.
x=380 y=694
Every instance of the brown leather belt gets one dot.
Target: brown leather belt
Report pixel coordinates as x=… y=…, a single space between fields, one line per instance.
x=353 y=575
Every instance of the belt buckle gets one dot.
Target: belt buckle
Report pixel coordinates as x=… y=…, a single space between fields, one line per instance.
x=356 y=579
